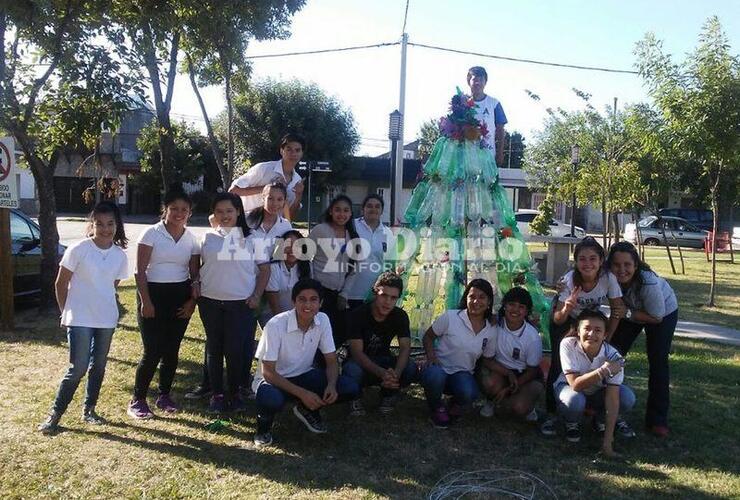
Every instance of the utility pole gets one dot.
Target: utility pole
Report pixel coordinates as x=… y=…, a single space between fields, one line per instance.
x=399 y=151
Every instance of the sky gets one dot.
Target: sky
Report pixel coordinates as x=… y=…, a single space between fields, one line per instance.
x=590 y=33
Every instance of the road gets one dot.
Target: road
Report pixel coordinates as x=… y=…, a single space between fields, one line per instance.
x=72 y=230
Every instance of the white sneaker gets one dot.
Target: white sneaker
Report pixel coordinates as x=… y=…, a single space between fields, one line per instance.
x=487 y=410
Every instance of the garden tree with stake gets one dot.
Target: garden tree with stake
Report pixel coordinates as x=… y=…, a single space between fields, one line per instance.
x=193 y=156
x=428 y=135
x=267 y=109
x=607 y=175
x=699 y=101
x=58 y=85
x=215 y=42
x=541 y=223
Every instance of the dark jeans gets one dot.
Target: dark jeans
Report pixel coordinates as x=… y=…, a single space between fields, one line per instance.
x=336 y=316
x=270 y=399
x=227 y=323
x=88 y=352
x=557 y=332
x=462 y=386
x=658 y=339
x=353 y=370
x=161 y=336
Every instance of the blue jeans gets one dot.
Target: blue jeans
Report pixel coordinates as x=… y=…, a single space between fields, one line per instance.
x=572 y=404
x=658 y=339
x=461 y=385
x=354 y=371
x=270 y=399
x=88 y=352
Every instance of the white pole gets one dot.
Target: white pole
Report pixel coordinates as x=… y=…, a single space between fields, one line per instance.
x=399 y=150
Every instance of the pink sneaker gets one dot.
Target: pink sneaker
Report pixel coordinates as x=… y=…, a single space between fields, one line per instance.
x=440 y=418
x=165 y=403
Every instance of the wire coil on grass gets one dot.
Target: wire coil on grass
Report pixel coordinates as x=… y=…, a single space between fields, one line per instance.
x=491 y=483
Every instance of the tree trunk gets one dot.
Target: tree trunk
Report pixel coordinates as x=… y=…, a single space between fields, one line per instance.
x=230 y=124
x=170 y=176
x=604 y=222
x=715 y=215
x=615 y=226
x=44 y=177
x=225 y=174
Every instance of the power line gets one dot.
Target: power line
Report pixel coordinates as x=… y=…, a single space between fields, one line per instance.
x=323 y=51
x=528 y=61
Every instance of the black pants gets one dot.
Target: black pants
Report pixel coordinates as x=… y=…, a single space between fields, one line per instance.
x=161 y=336
x=229 y=324
x=330 y=306
x=557 y=332
x=658 y=339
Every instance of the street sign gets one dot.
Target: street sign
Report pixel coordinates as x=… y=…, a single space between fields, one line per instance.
x=8 y=182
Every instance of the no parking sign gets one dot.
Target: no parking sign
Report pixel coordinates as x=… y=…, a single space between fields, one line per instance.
x=8 y=183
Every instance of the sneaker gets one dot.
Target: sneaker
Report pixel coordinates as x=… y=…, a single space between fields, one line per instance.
x=51 y=424
x=311 y=419
x=598 y=426
x=549 y=426
x=237 y=405
x=573 y=431
x=660 y=431
x=488 y=409
x=90 y=417
x=263 y=439
x=532 y=416
x=440 y=418
x=139 y=409
x=624 y=429
x=199 y=392
x=387 y=404
x=165 y=403
x=356 y=408
x=216 y=404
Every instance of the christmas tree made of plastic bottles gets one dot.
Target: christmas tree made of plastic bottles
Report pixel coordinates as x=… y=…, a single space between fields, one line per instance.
x=464 y=226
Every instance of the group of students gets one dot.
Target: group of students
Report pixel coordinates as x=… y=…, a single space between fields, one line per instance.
x=244 y=271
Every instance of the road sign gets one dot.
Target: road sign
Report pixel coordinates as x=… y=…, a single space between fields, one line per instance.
x=8 y=182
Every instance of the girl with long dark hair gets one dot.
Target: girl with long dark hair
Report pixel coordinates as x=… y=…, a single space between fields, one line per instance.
x=86 y=294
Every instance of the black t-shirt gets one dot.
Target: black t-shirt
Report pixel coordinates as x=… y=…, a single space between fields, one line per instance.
x=377 y=336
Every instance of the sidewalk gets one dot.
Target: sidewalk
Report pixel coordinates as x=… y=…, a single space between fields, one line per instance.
x=703 y=331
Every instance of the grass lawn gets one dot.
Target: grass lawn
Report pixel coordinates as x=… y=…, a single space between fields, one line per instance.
x=399 y=456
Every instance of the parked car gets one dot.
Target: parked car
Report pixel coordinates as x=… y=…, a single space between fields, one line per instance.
x=557 y=227
x=699 y=217
x=25 y=242
x=678 y=232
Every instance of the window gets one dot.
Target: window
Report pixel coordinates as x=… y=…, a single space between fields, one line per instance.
x=20 y=231
x=525 y=217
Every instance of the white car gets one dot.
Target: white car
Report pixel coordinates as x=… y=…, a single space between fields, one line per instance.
x=558 y=228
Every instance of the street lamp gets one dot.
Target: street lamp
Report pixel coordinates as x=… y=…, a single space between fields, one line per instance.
x=575 y=158
x=395 y=127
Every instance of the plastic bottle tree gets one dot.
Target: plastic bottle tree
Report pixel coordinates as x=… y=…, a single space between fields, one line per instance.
x=464 y=225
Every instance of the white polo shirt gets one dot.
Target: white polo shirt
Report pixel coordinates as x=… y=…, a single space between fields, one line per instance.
x=291 y=348
x=380 y=240
x=262 y=174
x=281 y=282
x=228 y=264
x=574 y=360
x=518 y=349
x=170 y=259
x=459 y=347
x=91 y=295
x=264 y=240
x=606 y=288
